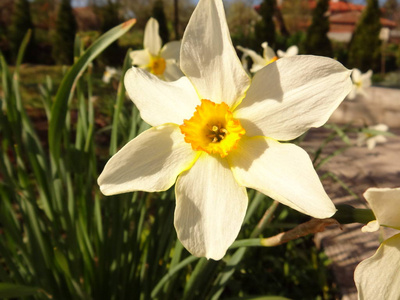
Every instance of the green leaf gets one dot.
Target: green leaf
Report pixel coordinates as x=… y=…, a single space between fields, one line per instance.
x=22 y=49
x=60 y=106
x=11 y=290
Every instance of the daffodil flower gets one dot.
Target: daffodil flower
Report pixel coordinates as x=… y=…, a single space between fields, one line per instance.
x=291 y=51
x=259 y=62
x=109 y=73
x=215 y=132
x=360 y=82
x=162 y=62
x=378 y=277
x=370 y=139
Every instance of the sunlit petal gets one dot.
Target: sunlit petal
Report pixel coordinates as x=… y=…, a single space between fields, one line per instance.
x=159 y=101
x=385 y=203
x=268 y=52
x=378 y=277
x=172 y=71
x=152 y=40
x=282 y=171
x=140 y=57
x=150 y=162
x=371 y=226
x=293 y=94
x=356 y=75
x=208 y=57
x=171 y=50
x=257 y=59
x=210 y=207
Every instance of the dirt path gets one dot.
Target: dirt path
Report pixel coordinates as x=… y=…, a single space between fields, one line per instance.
x=359 y=168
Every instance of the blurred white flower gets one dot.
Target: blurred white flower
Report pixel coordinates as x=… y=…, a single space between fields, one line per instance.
x=371 y=136
x=160 y=61
x=216 y=131
x=360 y=82
x=378 y=277
x=259 y=61
x=291 y=51
x=109 y=73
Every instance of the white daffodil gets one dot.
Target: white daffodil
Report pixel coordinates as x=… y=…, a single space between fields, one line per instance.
x=109 y=73
x=259 y=61
x=360 y=82
x=371 y=136
x=378 y=277
x=291 y=51
x=215 y=133
x=162 y=62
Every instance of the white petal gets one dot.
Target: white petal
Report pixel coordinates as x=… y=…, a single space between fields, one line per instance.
x=210 y=207
x=152 y=40
x=256 y=67
x=268 y=53
x=159 y=101
x=371 y=143
x=171 y=50
x=172 y=71
x=257 y=59
x=283 y=172
x=385 y=203
x=380 y=127
x=378 y=277
x=293 y=94
x=208 y=58
x=281 y=53
x=140 y=57
x=353 y=93
x=356 y=75
x=366 y=79
x=150 y=162
x=292 y=51
x=371 y=226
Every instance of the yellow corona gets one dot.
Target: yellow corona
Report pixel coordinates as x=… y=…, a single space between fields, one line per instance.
x=212 y=128
x=157 y=65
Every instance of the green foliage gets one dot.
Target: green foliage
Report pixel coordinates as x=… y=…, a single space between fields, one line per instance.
x=364 y=50
x=159 y=15
x=265 y=28
x=64 y=35
x=21 y=23
x=317 y=41
x=109 y=18
x=391 y=7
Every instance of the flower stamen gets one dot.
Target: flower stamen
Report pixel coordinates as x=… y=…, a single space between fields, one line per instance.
x=212 y=128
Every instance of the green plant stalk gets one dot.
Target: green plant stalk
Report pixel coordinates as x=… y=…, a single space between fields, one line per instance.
x=59 y=109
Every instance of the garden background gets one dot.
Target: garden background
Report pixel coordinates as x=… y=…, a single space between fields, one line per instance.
x=61 y=238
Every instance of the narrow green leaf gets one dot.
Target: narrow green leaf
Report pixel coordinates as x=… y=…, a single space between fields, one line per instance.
x=60 y=106
x=171 y=272
x=11 y=290
x=22 y=49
